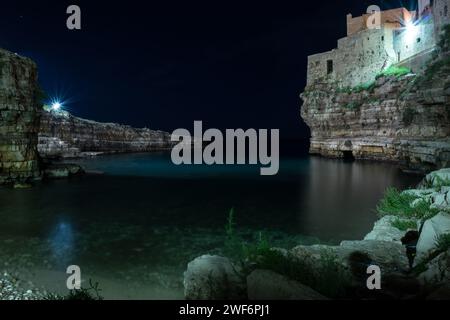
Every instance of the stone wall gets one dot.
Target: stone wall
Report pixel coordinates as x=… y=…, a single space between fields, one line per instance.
x=357 y=60
x=19 y=120
x=364 y=53
x=413 y=41
x=441 y=14
x=404 y=120
x=357 y=24
x=64 y=135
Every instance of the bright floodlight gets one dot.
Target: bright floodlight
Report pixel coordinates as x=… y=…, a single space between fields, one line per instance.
x=411 y=31
x=56 y=106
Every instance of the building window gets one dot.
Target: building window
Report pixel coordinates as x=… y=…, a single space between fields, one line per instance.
x=329 y=66
x=418 y=40
x=445 y=10
x=382 y=38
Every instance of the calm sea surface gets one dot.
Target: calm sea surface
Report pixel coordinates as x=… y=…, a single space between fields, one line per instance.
x=134 y=228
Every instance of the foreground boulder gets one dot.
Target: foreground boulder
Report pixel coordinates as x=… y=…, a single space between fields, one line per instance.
x=62 y=170
x=437 y=178
x=268 y=285
x=432 y=229
x=213 y=278
x=384 y=231
x=389 y=256
x=437 y=270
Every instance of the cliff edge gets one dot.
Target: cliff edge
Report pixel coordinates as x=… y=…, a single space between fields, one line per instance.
x=19 y=119
x=63 y=135
x=400 y=117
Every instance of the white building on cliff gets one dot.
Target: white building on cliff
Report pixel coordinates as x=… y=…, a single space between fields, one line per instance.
x=402 y=37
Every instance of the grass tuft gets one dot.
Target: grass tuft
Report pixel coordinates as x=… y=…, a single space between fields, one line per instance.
x=84 y=294
x=327 y=277
x=400 y=205
x=404 y=225
x=394 y=71
x=443 y=242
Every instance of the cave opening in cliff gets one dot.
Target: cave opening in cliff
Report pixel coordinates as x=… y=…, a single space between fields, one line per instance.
x=348 y=155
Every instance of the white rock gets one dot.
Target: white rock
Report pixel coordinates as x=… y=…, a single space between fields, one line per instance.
x=435 y=177
x=432 y=229
x=438 y=270
x=419 y=193
x=440 y=200
x=384 y=231
x=213 y=278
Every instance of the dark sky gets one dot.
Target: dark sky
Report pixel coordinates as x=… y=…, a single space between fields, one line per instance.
x=164 y=64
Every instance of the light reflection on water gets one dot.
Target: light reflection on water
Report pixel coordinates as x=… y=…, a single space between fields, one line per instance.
x=141 y=222
x=62 y=243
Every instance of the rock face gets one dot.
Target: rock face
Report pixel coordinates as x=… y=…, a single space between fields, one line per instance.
x=389 y=256
x=398 y=119
x=432 y=229
x=62 y=170
x=64 y=135
x=437 y=270
x=384 y=231
x=213 y=278
x=19 y=119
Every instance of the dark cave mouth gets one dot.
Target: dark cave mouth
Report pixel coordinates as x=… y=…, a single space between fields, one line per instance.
x=348 y=155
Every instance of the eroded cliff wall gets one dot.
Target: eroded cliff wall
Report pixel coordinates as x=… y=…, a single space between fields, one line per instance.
x=64 y=135
x=402 y=119
x=19 y=119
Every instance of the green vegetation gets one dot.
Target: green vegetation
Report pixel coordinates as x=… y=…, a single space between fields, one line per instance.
x=433 y=68
x=394 y=71
x=325 y=275
x=347 y=90
x=398 y=204
x=441 y=63
x=404 y=225
x=444 y=42
x=84 y=294
x=442 y=245
x=368 y=86
x=352 y=105
x=443 y=242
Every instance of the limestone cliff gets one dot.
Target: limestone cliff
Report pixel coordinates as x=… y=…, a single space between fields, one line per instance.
x=404 y=119
x=64 y=135
x=19 y=119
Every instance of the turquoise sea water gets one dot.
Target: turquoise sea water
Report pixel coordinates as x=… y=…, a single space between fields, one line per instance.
x=135 y=227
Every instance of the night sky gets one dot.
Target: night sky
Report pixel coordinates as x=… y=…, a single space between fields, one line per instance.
x=164 y=64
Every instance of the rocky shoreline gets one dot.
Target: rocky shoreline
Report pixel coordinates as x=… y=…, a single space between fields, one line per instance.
x=12 y=288
x=62 y=135
x=339 y=272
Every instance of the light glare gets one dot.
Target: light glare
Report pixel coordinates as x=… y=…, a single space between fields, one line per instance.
x=56 y=106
